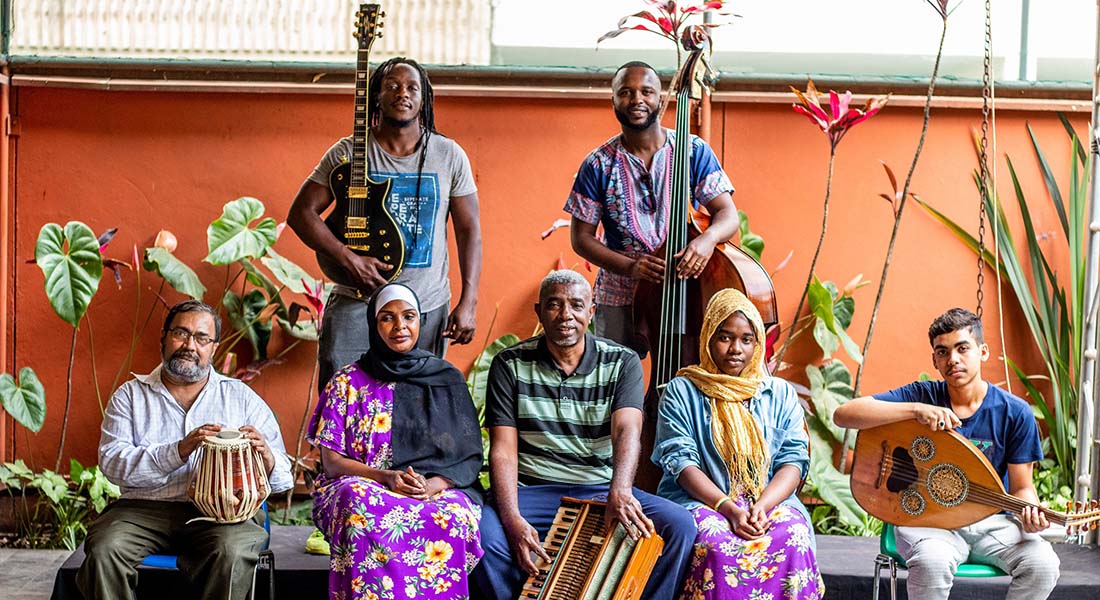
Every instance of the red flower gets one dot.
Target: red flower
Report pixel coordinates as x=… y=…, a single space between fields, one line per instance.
x=840 y=117
x=315 y=295
x=666 y=20
x=940 y=6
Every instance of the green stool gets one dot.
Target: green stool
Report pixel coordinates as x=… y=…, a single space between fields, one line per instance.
x=888 y=557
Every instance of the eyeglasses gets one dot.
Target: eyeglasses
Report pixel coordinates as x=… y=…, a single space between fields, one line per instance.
x=182 y=335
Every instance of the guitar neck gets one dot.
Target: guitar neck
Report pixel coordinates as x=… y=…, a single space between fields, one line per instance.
x=361 y=128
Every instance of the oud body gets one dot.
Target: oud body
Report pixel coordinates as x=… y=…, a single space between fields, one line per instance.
x=906 y=474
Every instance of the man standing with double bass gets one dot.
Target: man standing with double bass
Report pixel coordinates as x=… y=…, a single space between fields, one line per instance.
x=624 y=185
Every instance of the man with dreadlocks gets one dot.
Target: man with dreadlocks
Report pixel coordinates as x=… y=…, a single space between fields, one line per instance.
x=431 y=179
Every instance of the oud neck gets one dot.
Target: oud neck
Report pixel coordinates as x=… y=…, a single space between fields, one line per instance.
x=361 y=126
x=1016 y=505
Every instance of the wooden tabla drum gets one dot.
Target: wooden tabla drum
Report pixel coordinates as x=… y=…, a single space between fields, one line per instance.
x=230 y=483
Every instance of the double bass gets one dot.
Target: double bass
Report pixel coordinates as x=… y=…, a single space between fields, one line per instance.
x=671 y=313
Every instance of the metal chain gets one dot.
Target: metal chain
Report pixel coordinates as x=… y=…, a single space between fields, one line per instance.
x=983 y=147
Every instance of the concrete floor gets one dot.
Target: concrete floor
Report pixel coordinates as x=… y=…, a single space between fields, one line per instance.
x=29 y=574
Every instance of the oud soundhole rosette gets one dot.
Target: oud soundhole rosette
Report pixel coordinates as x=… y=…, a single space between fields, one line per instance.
x=912 y=502
x=947 y=484
x=922 y=449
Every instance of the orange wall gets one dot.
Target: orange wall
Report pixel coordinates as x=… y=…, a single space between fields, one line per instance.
x=142 y=161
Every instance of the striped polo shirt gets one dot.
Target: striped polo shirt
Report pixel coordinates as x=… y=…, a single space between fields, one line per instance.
x=563 y=420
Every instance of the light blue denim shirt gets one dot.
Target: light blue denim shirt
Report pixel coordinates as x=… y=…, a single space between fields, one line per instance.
x=684 y=436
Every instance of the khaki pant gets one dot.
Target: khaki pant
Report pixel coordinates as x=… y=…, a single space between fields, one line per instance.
x=217 y=560
x=933 y=555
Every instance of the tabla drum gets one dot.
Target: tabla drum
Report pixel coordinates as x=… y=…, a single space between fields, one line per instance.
x=230 y=483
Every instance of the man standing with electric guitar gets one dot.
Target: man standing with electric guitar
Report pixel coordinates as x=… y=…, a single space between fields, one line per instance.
x=1002 y=427
x=406 y=177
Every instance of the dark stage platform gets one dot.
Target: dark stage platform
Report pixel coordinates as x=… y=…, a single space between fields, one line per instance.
x=846 y=563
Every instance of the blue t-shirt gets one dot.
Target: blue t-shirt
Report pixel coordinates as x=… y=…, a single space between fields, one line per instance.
x=1003 y=428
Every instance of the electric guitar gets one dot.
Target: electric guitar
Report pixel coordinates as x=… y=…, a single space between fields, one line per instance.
x=361 y=221
x=906 y=474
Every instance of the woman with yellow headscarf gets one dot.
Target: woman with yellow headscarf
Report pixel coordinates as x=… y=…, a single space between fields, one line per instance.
x=733 y=448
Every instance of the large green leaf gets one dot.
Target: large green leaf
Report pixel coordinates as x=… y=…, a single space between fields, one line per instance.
x=830 y=484
x=303 y=329
x=830 y=387
x=751 y=243
x=243 y=313
x=24 y=401
x=833 y=315
x=826 y=340
x=478 y=377
x=288 y=273
x=174 y=271
x=71 y=261
x=230 y=238
x=53 y=485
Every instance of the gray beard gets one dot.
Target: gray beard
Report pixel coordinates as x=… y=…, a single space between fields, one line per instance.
x=186 y=370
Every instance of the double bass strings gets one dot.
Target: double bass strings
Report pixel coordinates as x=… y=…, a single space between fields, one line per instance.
x=673 y=289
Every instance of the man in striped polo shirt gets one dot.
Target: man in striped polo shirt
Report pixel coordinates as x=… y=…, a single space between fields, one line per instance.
x=564 y=411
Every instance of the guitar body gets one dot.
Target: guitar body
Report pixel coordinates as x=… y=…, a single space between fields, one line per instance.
x=362 y=222
x=906 y=474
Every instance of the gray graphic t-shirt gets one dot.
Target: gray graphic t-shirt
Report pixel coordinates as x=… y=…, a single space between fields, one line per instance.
x=423 y=220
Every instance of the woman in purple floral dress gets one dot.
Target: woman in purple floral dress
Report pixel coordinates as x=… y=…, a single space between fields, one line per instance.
x=731 y=443
x=401 y=448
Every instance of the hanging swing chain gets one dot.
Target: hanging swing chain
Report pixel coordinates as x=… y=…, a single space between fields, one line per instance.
x=983 y=149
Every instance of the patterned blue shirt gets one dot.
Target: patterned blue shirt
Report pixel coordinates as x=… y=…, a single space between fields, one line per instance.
x=616 y=189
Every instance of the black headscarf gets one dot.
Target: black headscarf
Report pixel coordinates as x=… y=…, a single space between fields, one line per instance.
x=435 y=427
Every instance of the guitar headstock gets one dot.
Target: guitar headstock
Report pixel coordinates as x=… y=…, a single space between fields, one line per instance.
x=368 y=24
x=695 y=74
x=1082 y=516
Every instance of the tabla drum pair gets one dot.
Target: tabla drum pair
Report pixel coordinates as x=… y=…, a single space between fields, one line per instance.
x=230 y=483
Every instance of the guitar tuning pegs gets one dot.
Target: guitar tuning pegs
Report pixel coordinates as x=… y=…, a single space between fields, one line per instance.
x=382 y=14
x=355 y=34
x=358 y=14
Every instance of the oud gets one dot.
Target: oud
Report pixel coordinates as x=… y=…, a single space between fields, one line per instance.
x=906 y=474
x=361 y=220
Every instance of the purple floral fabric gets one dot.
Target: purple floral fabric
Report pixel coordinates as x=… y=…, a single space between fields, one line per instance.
x=779 y=565
x=385 y=545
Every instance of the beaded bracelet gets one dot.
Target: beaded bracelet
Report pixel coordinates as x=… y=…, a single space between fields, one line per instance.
x=720 y=502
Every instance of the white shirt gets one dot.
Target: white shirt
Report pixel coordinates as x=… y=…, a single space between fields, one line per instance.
x=144 y=424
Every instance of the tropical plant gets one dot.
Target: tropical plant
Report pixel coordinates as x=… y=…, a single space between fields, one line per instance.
x=898 y=200
x=478 y=380
x=72 y=261
x=751 y=243
x=835 y=123
x=667 y=19
x=831 y=311
x=70 y=502
x=24 y=400
x=1052 y=304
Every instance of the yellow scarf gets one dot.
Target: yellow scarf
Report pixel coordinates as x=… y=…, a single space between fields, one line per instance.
x=737 y=435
